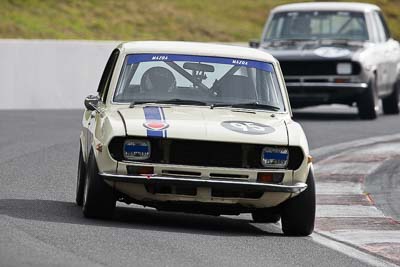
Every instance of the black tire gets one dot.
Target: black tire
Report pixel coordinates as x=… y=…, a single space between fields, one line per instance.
x=99 y=200
x=298 y=213
x=267 y=215
x=368 y=102
x=391 y=102
x=80 y=179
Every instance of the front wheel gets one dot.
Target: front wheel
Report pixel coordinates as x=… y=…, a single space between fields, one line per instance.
x=391 y=102
x=99 y=200
x=368 y=102
x=298 y=213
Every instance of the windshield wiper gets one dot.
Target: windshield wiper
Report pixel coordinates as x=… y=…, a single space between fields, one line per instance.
x=250 y=105
x=339 y=41
x=177 y=101
x=288 y=41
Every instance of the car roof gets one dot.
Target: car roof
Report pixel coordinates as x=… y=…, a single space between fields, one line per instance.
x=195 y=48
x=326 y=6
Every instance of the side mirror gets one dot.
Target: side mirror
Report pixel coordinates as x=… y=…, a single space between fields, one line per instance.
x=254 y=43
x=91 y=102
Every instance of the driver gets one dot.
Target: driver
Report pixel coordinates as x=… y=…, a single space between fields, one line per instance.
x=158 y=81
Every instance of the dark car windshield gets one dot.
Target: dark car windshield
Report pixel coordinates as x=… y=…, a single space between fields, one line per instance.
x=317 y=25
x=198 y=80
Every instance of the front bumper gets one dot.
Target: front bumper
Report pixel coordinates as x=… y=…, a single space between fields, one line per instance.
x=198 y=182
x=324 y=92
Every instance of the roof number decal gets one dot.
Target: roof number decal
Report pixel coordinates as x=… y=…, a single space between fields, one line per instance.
x=247 y=127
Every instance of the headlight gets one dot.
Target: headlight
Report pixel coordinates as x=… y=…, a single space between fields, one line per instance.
x=275 y=157
x=344 y=68
x=136 y=149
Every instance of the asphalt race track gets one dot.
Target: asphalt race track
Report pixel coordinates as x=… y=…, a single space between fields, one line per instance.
x=40 y=225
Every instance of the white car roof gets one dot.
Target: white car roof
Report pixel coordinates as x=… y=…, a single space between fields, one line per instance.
x=194 y=48
x=326 y=6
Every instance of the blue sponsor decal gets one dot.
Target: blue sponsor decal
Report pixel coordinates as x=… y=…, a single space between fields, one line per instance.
x=136 y=148
x=275 y=156
x=137 y=58
x=155 y=122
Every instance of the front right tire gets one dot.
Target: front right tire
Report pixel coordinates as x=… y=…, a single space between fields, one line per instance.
x=80 y=179
x=98 y=199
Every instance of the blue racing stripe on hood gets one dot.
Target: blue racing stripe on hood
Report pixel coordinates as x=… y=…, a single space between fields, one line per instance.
x=155 y=114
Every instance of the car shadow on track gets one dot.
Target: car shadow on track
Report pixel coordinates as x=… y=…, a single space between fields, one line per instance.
x=135 y=218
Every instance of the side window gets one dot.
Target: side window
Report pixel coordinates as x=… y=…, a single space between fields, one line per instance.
x=385 y=26
x=379 y=27
x=106 y=77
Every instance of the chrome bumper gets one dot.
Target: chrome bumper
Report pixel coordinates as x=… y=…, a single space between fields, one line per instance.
x=224 y=184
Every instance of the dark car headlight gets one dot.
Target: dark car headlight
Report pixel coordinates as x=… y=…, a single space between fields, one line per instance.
x=275 y=157
x=137 y=149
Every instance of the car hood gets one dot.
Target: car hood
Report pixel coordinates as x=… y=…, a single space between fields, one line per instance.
x=204 y=123
x=314 y=52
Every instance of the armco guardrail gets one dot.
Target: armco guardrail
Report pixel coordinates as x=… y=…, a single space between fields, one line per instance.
x=51 y=74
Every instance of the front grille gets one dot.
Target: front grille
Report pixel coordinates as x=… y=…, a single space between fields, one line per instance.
x=204 y=153
x=200 y=153
x=314 y=68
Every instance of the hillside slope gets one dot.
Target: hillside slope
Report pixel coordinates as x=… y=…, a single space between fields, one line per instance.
x=206 y=20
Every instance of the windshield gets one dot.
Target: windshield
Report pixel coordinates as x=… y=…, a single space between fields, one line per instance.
x=317 y=25
x=198 y=79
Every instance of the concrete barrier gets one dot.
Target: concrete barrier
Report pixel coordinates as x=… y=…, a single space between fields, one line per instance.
x=50 y=74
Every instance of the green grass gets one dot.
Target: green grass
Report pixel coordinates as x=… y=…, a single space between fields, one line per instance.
x=195 y=20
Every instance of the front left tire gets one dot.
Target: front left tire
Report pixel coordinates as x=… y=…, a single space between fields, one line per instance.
x=98 y=198
x=368 y=102
x=298 y=213
x=391 y=102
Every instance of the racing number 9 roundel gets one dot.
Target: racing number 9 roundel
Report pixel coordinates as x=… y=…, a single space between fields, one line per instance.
x=247 y=127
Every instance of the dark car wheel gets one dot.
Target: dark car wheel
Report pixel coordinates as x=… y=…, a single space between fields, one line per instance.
x=298 y=213
x=391 y=102
x=99 y=200
x=368 y=102
x=80 y=179
x=267 y=215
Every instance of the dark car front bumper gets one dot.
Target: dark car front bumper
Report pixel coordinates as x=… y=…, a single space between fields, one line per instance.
x=198 y=182
x=315 y=93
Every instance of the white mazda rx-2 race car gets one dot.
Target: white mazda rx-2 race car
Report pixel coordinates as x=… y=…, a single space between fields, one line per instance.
x=199 y=128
